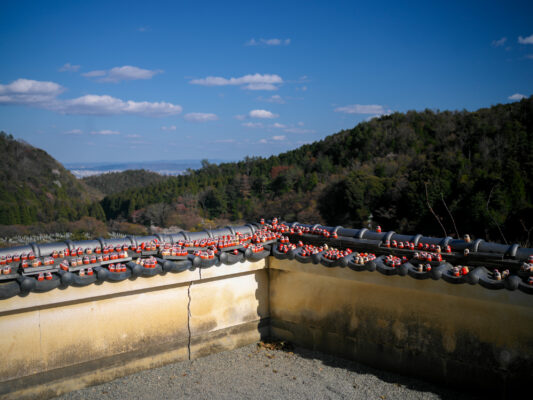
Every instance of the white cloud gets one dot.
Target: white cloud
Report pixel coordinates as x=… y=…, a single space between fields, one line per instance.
x=93 y=104
x=268 y=42
x=262 y=114
x=200 y=117
x=133 y=136
x=301 y=123
x=73 y=132
x=517 y=96
x=105 y=132
x=252 y=124
x=168 y=128
x=298 y=130
x=143 y=29
x=250 y=82
x=68 y=67
x=225 y=141
x=125 y=73
x=525 y=40
x=93 y=74
x=44 y=95
x=281 y=137
x=263 y=141
x=27 y=91
x=276 y=98
x=278 y=125
x=240 y=117
x=361 y=109
x=499 y=42
x=260 y=86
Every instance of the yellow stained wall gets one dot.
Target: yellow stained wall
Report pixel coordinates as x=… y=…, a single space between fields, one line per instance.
x=432 y=329
x=117 y=328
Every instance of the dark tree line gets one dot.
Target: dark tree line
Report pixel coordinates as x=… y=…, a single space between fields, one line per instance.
x=473 y=169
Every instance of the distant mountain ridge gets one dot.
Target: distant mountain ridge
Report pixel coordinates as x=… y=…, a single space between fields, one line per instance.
x=34 y=187
x=442 y=173
x=115 y=182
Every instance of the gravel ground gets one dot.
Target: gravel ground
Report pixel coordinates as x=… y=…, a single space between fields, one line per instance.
x=260 y=371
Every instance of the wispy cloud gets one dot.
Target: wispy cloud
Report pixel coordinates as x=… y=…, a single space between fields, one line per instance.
x=168 y=128
x=525 y=40
x=279 y=138
x=125 y=73
x=499 y=42
x=200 y=117
x=44 y=95
x=73 y=132
x=68 y=67
x=105 y=132
x=361 y=109
x=277 y=125
x=517 y=96
x=249 y=82
x=93 y=104
x=134 y=135
x=265 y=114
x=268 y=42
x=298 y=130
x=252 y=124
x=276 y=98
x=143 y=29
x=225 y=141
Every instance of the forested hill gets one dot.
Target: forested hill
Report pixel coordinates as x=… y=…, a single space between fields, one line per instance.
x=34 y=187
x=115 y=182
x=473 y=169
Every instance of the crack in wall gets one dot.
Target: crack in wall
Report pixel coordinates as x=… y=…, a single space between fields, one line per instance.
x=189 y=321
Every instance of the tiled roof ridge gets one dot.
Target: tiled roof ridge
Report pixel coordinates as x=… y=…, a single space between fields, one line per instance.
x=43 y=267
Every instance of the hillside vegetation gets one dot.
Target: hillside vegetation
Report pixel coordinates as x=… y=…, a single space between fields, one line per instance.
x=115 y=182
x=432 y=172
x=34 y=187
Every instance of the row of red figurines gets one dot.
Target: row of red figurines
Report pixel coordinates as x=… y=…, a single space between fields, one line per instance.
x=309 y=249
x=205 y=255
x=363 y=258
x=8 y=259
x=256 y=248
x=117 y=267
x=423 y=256
x=86 y=260
x=173 y=251
x=150 y=262
x=393 y=261
x=421 y=246
x=285 y=248
x=334 y=254
x=89 y=272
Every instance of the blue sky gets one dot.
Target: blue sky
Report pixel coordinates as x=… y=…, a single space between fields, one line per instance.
x=123 y=81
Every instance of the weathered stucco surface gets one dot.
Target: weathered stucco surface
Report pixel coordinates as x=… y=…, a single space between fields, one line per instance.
x=457 y=334
x=113 y=329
